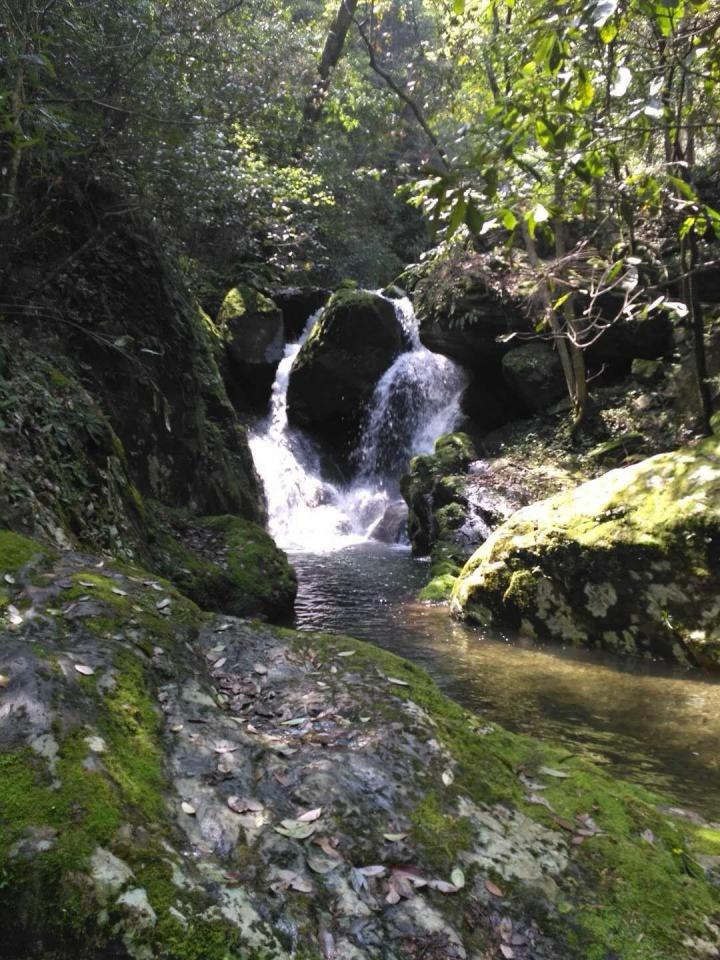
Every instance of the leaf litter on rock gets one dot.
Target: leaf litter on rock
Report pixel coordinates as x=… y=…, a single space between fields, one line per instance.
x=310 y=816
x=295 y=829
x=14 y=615
x=328 y=847
x=322 y=865
x=244 y=805
x=84 y=669
x=291 y=880
x=493 y=889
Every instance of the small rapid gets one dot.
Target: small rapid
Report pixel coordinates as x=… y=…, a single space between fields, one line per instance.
x=416 y=400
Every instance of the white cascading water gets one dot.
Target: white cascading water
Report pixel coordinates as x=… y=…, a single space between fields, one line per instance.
x=416 y=401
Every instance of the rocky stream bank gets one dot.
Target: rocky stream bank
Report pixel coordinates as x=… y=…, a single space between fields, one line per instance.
x=190 y=785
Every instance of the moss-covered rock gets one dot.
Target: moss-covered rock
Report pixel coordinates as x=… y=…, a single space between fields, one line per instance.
x=628 y=561
x=152 y=783
x=352 y=344
x=64 y=473
x=125 y=327
x=251 y=326
x=225 y=564
x=534 y=374
x=434 y=490
x=465 y=311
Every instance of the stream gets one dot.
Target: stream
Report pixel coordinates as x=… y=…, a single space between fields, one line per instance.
x=651 y=723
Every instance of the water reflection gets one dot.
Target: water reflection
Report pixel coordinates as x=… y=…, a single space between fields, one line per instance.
x=655 y=724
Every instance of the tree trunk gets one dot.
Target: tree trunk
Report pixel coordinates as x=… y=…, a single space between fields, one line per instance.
x=332 y=51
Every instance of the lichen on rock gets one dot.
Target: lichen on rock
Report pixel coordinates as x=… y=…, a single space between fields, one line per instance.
x=628 y=562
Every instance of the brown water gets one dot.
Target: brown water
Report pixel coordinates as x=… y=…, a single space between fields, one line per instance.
x=651 y=723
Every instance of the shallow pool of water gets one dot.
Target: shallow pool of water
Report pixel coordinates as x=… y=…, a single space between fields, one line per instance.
x=655 y=724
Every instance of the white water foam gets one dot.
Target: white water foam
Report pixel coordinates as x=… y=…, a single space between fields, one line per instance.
x=415 y=401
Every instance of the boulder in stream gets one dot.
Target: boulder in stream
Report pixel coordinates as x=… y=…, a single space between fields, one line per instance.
x=251 y=326
x=629 y=562
x=297 y=305
x=352 y=344
x=466 y=315
x=196 y=787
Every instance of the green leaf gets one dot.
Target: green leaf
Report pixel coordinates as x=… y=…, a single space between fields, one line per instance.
x=508 y=219
x=458 y=7
x=457 y=217
x=683 y=188
x=608 y=32
x=473 y=218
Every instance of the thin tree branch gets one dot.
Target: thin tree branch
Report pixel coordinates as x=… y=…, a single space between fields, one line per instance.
x=405 y=97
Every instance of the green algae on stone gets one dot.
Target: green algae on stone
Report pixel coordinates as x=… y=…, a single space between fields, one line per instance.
x=226 y=564
x=628 y=562
x=434 y=490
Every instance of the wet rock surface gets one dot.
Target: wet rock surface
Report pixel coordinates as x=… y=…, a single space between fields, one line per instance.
x=297 y=304
x=353 y=343
x=252 y=329
x=185 y=785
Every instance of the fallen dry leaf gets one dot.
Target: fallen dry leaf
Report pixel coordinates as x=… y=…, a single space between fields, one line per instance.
x=310 y=815
x=327 y=847
x=493 y=889
x=295 y=829
x=244 y=805
x=84 y=669
x=322 y=865
x=188 y=808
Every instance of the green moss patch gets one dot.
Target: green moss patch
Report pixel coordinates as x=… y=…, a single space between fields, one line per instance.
x=17 y=551
x=226 y=564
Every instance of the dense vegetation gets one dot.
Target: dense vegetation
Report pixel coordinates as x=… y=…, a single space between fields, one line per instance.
x=582 y=133
x=184 y=184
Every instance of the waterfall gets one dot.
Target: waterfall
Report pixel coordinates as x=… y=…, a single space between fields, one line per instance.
x=416 y=400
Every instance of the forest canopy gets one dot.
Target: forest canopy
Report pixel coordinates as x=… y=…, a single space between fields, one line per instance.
x=306 y=139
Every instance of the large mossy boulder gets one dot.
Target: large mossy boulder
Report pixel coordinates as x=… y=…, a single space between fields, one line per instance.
x=354 y=341
x=629 y=562
x=191 y=787
x=225 y=564
x=533 y=373
x=465 y=313
x=297 y=305
x=253 y=333
x=130 y=332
